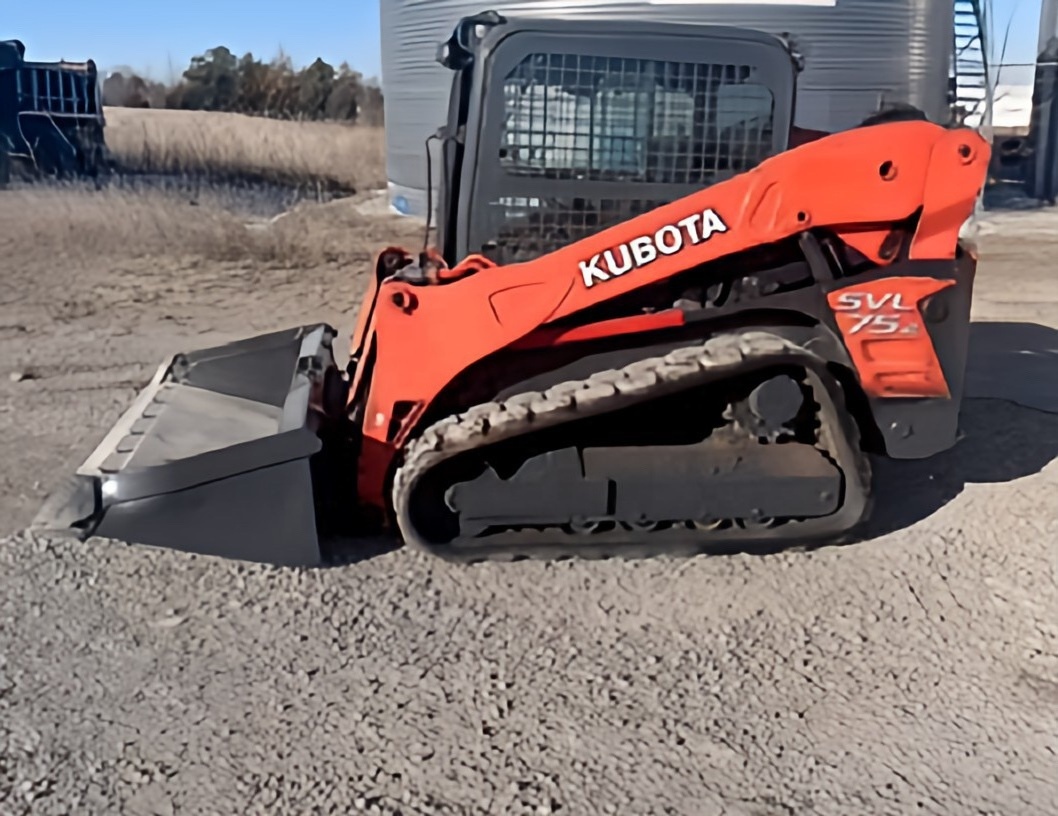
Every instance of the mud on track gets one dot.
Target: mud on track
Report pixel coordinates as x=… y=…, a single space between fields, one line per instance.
x=914 y=673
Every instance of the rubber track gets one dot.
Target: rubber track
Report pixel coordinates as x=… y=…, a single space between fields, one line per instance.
x=493 y=422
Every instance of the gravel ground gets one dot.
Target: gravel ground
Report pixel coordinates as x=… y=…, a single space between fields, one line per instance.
x=914 y=673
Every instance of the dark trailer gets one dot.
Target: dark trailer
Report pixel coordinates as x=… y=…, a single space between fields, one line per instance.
x=51 y=116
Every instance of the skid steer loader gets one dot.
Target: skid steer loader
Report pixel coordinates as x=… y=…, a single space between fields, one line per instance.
x=651 y=325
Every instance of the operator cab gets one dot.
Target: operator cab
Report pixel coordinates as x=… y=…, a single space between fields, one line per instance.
x=558 y=129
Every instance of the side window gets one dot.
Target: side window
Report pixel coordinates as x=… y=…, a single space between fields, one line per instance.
x=569 y=116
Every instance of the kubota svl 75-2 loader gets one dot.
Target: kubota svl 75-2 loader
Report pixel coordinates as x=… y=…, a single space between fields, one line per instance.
x=653 y=326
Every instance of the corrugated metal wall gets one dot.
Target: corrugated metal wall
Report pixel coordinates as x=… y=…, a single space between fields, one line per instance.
x=857 y=52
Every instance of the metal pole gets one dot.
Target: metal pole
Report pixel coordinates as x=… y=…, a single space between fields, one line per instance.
x=1042 y=178
x=1048 y=23
x=982 y=11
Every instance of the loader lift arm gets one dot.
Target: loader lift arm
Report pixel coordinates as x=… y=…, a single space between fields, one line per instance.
x=864 y=186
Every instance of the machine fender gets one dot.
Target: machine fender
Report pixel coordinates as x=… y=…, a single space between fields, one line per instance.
x=913 y=380
x=884 y=329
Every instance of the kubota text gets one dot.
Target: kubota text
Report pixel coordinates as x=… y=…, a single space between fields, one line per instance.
x=640 y=252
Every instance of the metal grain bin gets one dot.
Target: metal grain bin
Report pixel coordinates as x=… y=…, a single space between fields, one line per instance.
x=858 y=53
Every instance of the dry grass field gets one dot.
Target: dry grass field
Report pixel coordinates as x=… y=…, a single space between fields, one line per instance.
x=78 y=227
x=228 y=145
x=122 y=229
x=916 y=672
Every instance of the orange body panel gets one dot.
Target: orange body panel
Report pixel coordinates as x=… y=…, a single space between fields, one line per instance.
x=556 y=336
x=859 y=184
x=881 y=323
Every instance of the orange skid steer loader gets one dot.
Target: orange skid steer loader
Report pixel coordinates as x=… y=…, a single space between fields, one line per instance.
x=653 y=325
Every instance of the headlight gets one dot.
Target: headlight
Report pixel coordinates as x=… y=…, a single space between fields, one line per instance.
x=109 y=488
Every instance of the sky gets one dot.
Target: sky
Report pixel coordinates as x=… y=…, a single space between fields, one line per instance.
x=158 y=39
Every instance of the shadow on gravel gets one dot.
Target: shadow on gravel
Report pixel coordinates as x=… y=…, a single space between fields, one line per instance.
x=1009 y=427
x=349 y=551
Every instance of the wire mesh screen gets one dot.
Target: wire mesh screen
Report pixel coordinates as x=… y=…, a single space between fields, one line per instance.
x=532 y=227
x=570 y=116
